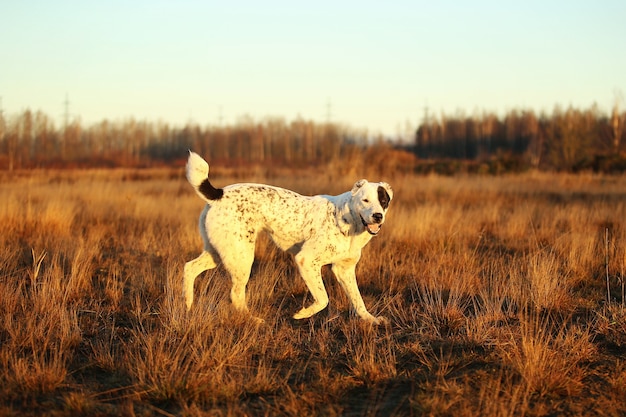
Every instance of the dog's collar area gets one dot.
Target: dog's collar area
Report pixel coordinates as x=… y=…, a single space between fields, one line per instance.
x=369 y=227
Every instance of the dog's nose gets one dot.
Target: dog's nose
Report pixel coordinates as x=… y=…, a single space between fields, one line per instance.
x=378 y=217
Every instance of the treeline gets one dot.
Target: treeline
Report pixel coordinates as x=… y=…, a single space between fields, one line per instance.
x=31 y=139
x=567 y=140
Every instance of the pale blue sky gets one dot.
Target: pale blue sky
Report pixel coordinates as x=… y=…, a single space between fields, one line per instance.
x=378 y=63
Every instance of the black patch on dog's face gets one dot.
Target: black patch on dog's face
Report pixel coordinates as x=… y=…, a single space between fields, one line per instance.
x=383 y=197
x=210 y=192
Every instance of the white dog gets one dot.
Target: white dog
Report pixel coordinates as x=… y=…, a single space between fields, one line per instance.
x=318 y=230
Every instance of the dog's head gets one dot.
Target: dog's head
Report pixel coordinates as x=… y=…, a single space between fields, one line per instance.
x=370 y=201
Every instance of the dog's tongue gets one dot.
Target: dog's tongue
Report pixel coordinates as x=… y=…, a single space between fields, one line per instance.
x=373 y=228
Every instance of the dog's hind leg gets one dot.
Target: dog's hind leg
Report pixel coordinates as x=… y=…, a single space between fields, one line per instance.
x=238 y=261
x=192 y=270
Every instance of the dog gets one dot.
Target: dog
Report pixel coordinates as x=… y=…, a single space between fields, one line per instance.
x=318 y=230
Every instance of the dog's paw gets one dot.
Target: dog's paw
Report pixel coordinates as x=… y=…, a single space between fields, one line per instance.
x=300 y=315
x=380 y=321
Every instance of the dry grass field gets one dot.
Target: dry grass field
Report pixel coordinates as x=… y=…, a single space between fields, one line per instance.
x=505 y=297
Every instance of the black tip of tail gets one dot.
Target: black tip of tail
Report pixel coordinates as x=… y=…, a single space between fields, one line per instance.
x=210 y=192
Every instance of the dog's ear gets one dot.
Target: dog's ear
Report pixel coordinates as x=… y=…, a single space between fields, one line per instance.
x=387 y=188
x=358 y=185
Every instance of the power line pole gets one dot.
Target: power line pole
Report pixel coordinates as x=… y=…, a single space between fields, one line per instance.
x=220 y=116
x=426 y=116
x=66 y=114
x=422 y=136
x=328 y=111
x=1 y=120
x=11 y=140
x=66 y=121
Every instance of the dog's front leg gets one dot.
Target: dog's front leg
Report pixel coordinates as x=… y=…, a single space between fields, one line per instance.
x=311 y=273
x=346 y=275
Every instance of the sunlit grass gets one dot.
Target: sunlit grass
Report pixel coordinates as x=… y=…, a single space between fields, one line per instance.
x=495 y=289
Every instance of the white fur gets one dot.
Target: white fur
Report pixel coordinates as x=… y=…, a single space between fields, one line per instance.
x=318 y=230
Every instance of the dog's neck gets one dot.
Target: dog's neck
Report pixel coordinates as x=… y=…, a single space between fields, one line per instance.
x=348 y=220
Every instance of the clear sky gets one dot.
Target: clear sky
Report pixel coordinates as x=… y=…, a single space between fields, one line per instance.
x=375 y=65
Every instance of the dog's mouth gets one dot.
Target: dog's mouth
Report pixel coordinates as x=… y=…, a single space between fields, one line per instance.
x=372 y=228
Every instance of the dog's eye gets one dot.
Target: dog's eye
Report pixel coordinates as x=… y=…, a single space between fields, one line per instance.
x=365 y=200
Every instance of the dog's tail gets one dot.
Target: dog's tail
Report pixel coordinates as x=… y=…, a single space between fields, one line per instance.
x=198 y=177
